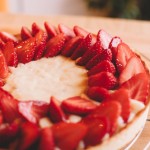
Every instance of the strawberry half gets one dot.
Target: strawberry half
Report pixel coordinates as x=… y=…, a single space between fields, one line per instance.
x=55 y=111
x=138 y=87
x=104 y=65
x=133 y=67
x=10 y=54
x=55 y=45
x=80 y=31
x=68 y=135
x=77 y=105
x=103 y=79
x=25 y=33
x=35 y=29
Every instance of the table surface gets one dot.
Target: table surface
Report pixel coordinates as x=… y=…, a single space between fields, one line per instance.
x=135 y=33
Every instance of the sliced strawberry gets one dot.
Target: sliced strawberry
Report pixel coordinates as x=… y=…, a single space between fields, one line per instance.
x=3 y=66
x=104 y=65
x=133 y=67
x=66 y=30
x=103 y=79
x=104 y=39
x=68 y=135
x=29 y=135
x=97 y=128
x=83 y=47
x=71 y=45
x=25 y=50
x=55 y=111
x=8 y=106
x=55 y=45
x=46 y=140
x=10 y=54
x=33 y=110
x=97 y=93
x=41 y=38
x=124 y=53
x=80 y=31
x=51 y=30
x=78 y=105
x=35 y=29
x=104 y=55
x=112 y=111
x=138 y=87
x=89 y=54
x=25 y=33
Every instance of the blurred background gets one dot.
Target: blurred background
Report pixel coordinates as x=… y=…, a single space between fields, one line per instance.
x=130 y=9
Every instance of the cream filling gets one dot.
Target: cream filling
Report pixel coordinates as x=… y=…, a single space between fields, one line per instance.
x=39 y=80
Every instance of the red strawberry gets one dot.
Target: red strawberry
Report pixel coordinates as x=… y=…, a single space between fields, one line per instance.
x=97 y=128
x=68 y=135
x=97 y=93
x=10 y=54
x=29 y=135
x=138 y=87
x=104 y=65
x=8 y=106
x=89 y=54
x=111 y=110
x=46 y=140
x=71 y=45
x=66 y=30
x=124 y=53
x=35 y=29
x=104 y=55
x=41 y=38
x=25 y=33
x=33 y=110
x=80 y=31
x=133 y=67
x=25 y=50
x=51 y=31
x=104 y=39
x=104 y=79
x=83 y=47
x=78 y=105
x=55 y=45
x=55 y=111
x=3 y=66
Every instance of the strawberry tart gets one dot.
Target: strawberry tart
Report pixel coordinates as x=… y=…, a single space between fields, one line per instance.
x=69 y=89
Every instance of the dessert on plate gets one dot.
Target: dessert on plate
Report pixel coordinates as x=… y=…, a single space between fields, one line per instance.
x=70 y=89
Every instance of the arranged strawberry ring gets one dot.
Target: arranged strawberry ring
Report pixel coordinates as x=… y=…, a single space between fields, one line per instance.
x=110 y=112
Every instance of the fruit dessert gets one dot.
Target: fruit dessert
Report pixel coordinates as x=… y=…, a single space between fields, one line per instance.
x=70 y=89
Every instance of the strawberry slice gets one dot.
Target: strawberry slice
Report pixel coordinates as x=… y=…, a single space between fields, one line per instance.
x=25 y=33
x=138 y=87
x=112 y=111
x=78 y=105
x=71 y=45
x=55 y=111
x=104 y=39
x=133 y=67
x=104 y=65
x=104 y=79
x=25 y=50
x=50 y=29
x=80 y=31
x=83 y=47
x=97 y=93
x=104 y=55
x=55 y=45
x=93 y=51
x=41 y=38
x=33 y=110
x=3 y=66
x=66 y=30
x=124 y=53
x=10 y=54
x=29 y=135
x=68 y=135
x=46 y=140
x=97 y=128
x=35 y=29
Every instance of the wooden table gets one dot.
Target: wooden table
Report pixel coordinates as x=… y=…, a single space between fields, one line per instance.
x=135 y=33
